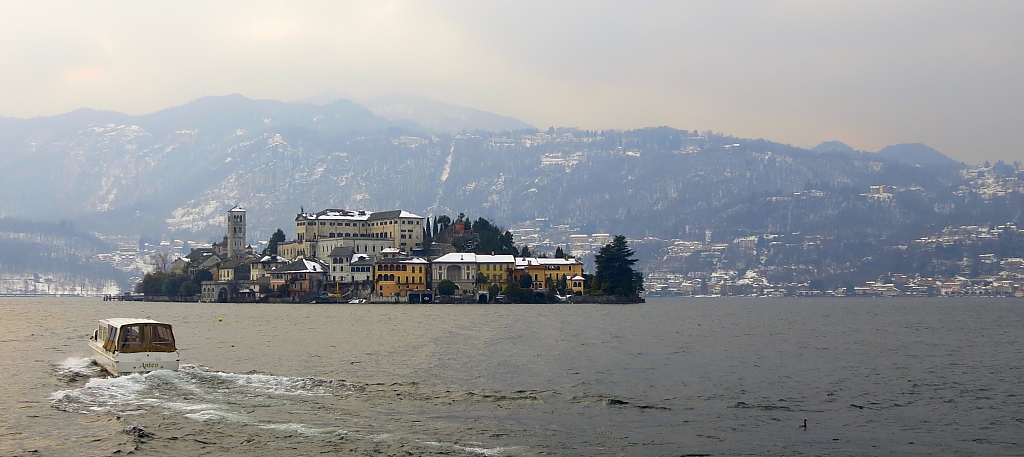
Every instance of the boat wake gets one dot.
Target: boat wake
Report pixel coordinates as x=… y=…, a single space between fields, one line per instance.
x=334 y=410
x=192 y=388
x=72 y=369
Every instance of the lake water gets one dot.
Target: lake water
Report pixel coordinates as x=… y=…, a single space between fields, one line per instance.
x=671 y=377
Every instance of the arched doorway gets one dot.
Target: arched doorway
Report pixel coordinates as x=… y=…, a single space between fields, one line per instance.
x=453 y=272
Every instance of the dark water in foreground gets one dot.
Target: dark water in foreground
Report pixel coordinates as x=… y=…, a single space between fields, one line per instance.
x=666 y=378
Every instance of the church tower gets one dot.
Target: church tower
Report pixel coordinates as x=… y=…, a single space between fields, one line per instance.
x=236 y=232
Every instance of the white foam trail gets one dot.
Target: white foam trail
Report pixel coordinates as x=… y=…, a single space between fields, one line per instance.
x=101 y=394
x=188 y=407
x=165 y=388
x=293 y=427
x=489 y=452
x=73 y=368
x=172 y=390
x=211 y=415
x=281 y=385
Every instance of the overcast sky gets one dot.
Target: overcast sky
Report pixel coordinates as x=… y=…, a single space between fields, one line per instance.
x=946 y=73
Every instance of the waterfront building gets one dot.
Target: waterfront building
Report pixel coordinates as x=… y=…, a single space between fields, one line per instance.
x=545 y=272
x=305 y=279
x=462 y=268
x=396 y=276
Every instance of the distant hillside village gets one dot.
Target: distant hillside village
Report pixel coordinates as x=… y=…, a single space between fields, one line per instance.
x=385 y=256
x=961 y=261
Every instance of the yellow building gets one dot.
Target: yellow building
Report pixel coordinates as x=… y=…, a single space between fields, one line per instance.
x=576 y=284
x=542 y=271
x=397 y=276
x=497 y=268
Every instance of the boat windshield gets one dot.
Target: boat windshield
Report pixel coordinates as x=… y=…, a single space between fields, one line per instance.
x=146 y=338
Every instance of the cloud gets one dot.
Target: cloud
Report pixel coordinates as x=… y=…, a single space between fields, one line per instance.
x=83 y=75
x=868 y=73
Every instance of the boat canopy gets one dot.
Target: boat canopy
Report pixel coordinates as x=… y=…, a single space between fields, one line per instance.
x=135 y=335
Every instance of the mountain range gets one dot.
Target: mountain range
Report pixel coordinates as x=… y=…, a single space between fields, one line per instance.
x=912 y=153
x=432 y=114
x=175 y=172
x=178 y=169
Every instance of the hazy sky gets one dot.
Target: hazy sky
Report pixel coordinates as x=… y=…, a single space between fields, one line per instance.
x=946 y=73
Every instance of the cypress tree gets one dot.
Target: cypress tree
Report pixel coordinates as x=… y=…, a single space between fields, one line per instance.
x=615 y=272
x=276 y=238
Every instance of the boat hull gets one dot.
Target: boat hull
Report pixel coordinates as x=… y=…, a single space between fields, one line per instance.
x=134 y=362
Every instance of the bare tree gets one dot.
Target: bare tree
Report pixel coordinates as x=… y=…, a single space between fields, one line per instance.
x=160 y=261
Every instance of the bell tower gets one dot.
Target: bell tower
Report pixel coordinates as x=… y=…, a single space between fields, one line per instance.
x=236 y=232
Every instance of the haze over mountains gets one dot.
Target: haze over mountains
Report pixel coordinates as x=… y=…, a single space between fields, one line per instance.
x=432 y=114
x=177 y=169
x=174 y=173
x=912 y=153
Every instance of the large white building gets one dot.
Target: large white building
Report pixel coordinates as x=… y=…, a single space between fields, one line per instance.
x=366 y=232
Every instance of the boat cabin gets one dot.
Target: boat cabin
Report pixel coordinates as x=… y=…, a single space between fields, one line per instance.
x=126 y=345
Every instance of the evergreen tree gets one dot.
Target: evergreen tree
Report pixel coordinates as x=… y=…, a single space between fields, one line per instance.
x=484 y=225
x=275 y=239
x=526 y=281
x=446 y=287
x=516 y=294
x=525 y=252
x=559 y=253
x=202 y=275
x=442 y=222
x=615 y=273
x=493 y=291
x=506 y=246
x=562 y=284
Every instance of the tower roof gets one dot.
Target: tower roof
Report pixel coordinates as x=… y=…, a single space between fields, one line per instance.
x=236 y=209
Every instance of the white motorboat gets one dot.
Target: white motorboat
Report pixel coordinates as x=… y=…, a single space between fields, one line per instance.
x=126 y=345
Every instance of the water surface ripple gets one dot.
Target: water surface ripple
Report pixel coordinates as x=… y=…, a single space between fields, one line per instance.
x=669 y=377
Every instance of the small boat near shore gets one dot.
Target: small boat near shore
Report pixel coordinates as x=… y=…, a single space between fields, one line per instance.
x=129 y=345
